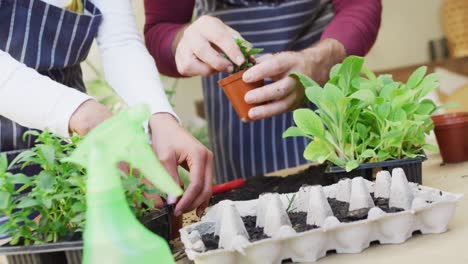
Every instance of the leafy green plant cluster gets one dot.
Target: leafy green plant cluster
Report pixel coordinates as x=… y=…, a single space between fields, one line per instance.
x=248 y=51
x=363 y=118
x=57 y=193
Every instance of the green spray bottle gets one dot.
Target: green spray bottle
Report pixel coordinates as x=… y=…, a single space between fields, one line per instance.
x=112 y=233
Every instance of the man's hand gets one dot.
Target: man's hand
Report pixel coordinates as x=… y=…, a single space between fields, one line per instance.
x=198 y=48
x=285 y=93
x=174 y=146
x=87 y=116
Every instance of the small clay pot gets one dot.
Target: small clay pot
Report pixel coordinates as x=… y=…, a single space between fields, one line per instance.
x=451 y=131
x=235 y=89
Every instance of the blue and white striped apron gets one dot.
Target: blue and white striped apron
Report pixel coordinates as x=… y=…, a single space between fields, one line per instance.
x=52 y=40
x=242 y=150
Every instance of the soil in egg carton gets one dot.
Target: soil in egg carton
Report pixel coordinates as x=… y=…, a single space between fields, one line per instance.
x=298 y=220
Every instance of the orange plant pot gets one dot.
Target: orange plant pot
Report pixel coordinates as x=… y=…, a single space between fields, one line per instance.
x=235 y=89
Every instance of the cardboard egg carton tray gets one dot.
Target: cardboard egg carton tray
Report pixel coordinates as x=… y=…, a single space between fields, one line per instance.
x=410 y=208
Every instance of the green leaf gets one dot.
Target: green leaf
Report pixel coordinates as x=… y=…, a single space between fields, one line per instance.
x=351 y=165
x=45 y=181
x=3 y=163
x=362 y=131
x=304 y=79
x=399 y=115
x=22 y=157
x=431 y=148
x=332 y=93
x=5 y=199
x=383 y=111
x=314 y=94
x=416 y=77
x=294 y=132
x=449 y=105
x=316 y=151
x=350 y=68
x=27 y=202
x=364 y=95
x=410 y=107
x=48 y=152
x=335 y=70
x=20 y=179
x=368 y=153
x=426 y=108
x=254 y=51
x=382 y=155
x=78 y=207
x=309 y=122
x=388 y=90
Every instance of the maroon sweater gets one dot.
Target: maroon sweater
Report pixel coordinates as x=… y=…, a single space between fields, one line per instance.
x=355 y=25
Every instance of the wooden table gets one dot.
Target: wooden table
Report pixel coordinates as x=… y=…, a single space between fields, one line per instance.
x=450 y=247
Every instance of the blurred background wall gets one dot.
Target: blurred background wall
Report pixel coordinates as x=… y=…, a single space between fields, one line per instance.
x=407 y=27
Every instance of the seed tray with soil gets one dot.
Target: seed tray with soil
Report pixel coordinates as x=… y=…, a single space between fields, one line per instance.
x=303 y=226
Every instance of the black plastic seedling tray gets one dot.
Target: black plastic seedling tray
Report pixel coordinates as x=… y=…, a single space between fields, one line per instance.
x=412 y=168
x=70 y=252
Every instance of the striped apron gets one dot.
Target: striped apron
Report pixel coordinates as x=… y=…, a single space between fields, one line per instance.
x=49 y=39
x=52 y=40
x=242 y=150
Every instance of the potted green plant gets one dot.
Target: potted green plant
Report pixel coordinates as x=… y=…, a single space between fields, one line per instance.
x=44 y=202
x=234 y=87
x=363 y=121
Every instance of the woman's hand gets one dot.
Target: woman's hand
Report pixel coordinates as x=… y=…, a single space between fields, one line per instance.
x=87 y=116
x=285 y=93
x=174 y=146
x=198 y=48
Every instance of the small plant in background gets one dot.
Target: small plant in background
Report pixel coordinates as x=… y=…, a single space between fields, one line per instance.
x=57 y=193
x=248 y=51
x=363 y=118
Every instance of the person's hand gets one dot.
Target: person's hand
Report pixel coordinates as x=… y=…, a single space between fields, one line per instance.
x=87 y=116
x=285 y=93
x=174 y=146
x=198 y=48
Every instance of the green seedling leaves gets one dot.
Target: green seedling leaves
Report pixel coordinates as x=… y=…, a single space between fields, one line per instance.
x=367 y=118
x=57 y=193
x=309 y=122
x=416 y=77
x=351 y=165
x=294 y=132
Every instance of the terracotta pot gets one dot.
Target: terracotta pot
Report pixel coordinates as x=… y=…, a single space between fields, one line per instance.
x=235 y=89
x=451 y=131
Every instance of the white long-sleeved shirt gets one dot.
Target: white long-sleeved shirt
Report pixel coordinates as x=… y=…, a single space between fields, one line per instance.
x=36 y=101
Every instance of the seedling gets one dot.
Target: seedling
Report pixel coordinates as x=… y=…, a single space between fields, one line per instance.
x=363 y=118
x=248 y=51
x=57 y=193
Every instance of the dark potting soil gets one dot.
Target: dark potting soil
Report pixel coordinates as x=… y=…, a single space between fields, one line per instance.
x=254 y=186
x=299 y=222
x=341 y=209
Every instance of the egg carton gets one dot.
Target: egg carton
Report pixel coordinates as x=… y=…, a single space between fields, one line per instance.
x=411 y=207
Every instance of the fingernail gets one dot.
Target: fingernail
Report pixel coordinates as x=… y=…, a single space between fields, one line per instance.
x=171 y=199
x=177 y=213
x=230 y=69
x=249 y=98
x=239 y=60
x=247 y=77
x=253 y=113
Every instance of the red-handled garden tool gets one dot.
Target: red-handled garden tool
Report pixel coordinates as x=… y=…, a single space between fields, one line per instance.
x=228 y=186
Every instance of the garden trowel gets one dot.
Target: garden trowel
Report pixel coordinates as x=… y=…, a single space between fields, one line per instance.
x=112 y=233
